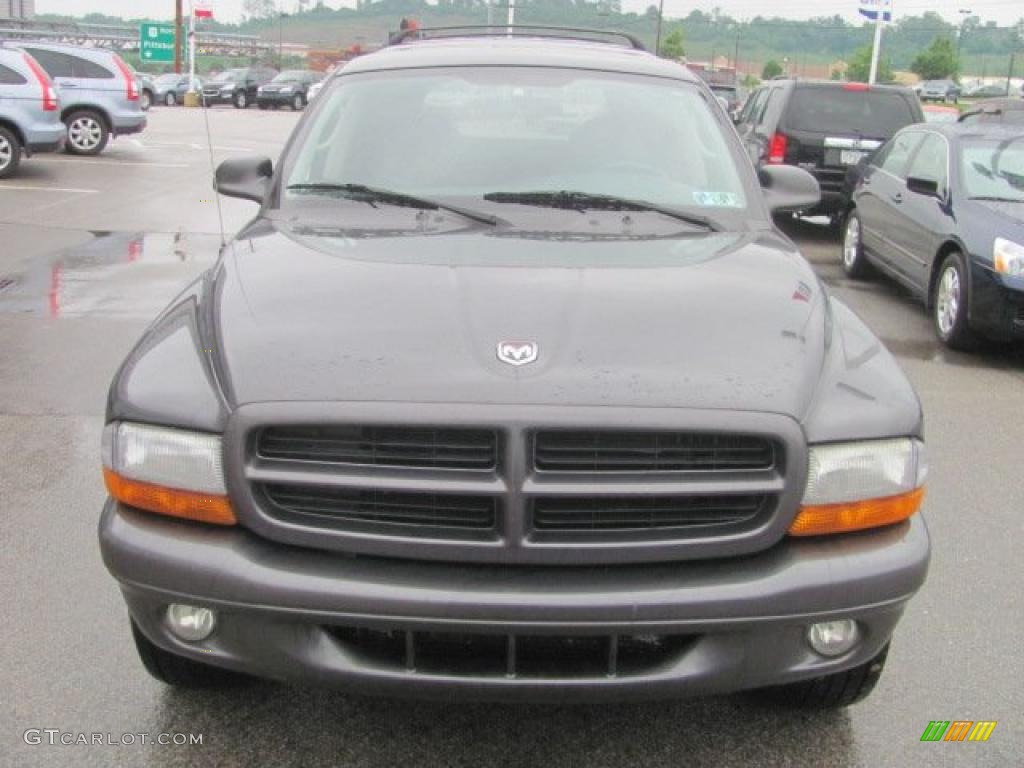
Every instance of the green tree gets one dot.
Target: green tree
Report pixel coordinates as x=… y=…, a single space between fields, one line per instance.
x=772 y=68
x=859 y=67
x=937 y=61
x=672 y=45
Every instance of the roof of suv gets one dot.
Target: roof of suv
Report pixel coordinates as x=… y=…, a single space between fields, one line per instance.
x=518 y=51
x=77 y=50
x=840 y=84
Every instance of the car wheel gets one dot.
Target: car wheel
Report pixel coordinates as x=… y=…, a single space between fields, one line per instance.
x=10 y=152
x=177 y=670
x=855 y=263
x=298 y=102
x=170 y=99
x=146 y=100
x=832 y=691
x=949 y=304
x=87 y=133
x=241 y=100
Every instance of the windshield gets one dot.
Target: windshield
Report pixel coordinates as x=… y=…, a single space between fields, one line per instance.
x=289 y=77
x=464 y=133
x=993 y=167
x=167 y=79
x=838 y=110
x=229 y=76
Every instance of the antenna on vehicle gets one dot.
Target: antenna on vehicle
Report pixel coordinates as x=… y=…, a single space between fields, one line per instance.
x=213 y=169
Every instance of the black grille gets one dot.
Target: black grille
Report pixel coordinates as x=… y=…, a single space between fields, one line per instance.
x=372 y=507
x=382 y=446
x=517 y=656
x=585 y=451
x=644 y=512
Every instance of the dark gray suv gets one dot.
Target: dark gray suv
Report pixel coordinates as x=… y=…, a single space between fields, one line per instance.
x=512 y=390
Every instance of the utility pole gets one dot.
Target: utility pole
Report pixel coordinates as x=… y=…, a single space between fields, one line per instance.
x=965 y=13
x=657 y=39
x=1009 y=74
x=511 y=12
x=876 y=46
x=177 y=37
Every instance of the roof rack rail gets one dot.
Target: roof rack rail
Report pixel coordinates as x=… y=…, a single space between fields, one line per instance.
x=518 y=30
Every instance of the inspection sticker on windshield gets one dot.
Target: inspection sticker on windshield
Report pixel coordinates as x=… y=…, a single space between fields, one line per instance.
x=717 y=199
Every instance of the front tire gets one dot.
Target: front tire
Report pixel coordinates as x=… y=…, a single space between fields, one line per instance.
x=832 y=691
x=146 y=100
x=241 y=101
x=855 y=263
x=170 y=99
x=949 y=303
x=298 y=102
x=178 y=671
x=10 y=152
x=87 y=133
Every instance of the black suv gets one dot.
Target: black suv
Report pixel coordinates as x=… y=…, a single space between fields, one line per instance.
x=824 y=127
x=237 y=86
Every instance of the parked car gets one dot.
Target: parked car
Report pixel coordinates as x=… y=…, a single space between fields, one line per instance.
x=170 y=89
x=824 y=126
x=98 y=92
x=515 y=393
x=940 y=90
x=990 y=91
x=733 y=95
x=1009 y=111
x=29 y=110
x=290 y=88
x=236 y=86
x=940 y=209
x=940 y=113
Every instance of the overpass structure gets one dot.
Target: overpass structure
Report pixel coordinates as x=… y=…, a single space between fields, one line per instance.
x=126 y=37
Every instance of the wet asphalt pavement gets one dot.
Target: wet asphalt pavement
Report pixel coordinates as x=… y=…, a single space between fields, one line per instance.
x=91 y=249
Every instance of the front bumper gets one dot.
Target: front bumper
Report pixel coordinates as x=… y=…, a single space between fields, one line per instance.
x=278 y=99
x=218 y=97
x=284 y=611
x=997 y=308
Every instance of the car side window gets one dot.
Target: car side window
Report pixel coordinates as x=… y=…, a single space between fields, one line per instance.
x=753 y=106
x=772 y=111
x=89 y=69
x=894 y=156
x=930 y=162
x=9 y=77
x=56 y=64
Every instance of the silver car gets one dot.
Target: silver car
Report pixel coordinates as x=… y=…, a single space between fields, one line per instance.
x=29 y=110
x=98 y=91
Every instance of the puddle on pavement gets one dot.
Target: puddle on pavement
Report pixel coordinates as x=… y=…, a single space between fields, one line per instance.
x=119 y=275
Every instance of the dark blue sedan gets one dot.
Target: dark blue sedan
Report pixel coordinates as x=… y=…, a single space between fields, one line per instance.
x=940 y=208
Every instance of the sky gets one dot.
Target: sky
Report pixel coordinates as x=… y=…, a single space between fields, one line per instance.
x=1003 y=12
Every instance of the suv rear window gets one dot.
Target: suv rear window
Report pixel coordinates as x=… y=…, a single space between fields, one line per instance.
x=59 y=64
x=837 y=110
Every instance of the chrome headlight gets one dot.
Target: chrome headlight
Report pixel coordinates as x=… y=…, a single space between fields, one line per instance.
x=1008 y=257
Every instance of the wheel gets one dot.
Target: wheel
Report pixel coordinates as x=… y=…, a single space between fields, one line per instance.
x=177 y=670
x=855 y=263
x=170 y=99
x=10 y=152
x=949 y=304
x=87 y=133
x=832 y=691
x=298 y=102
x=241 y=100
x=145 y=100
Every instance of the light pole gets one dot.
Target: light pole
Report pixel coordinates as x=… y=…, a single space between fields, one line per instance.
x=657 y=38
x=280 y=38
x=965 y=13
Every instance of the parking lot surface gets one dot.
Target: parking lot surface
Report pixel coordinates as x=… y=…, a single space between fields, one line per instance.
x=92 y=248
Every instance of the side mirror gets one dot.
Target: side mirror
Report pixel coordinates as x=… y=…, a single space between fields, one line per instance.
x=788 y=189
x=244 y=177
x=927 y=187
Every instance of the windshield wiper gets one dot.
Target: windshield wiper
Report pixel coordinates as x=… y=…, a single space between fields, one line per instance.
x=364 y=194
x=584 y=201
x=997 y=199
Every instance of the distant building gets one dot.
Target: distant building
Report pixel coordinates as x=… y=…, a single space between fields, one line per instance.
x=17 y=9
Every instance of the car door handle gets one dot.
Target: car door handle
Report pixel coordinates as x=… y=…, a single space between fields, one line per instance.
x=897 y=197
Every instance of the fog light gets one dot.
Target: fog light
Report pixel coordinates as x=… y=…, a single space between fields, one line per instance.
x=833 y=638
x=191 y=623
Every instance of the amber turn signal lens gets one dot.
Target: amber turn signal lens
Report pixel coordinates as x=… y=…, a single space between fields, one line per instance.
x=189 y=505
x=856 y=515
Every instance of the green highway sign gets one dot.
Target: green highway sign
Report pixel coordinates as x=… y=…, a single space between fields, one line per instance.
x=156 y=42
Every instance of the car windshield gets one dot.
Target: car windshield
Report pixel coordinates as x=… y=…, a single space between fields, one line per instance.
x=289 y=77
x=229 y=76
x=463 y=133
x=170 y=79
x=849 y=111
x=992 y=167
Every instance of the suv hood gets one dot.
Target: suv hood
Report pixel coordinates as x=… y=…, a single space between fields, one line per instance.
x=724 y=320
